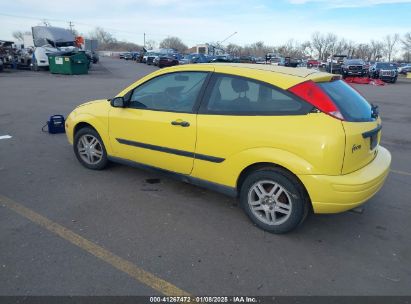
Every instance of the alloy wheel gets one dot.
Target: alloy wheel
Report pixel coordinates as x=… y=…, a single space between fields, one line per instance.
x=270 y=202
x=90 y=149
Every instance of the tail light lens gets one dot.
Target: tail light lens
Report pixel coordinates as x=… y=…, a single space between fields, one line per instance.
x=313 y=94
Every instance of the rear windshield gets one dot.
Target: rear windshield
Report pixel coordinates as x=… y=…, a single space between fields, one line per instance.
x=350 y=103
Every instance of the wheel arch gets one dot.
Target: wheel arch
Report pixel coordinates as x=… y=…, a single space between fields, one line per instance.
x=80 y=125
x=93 y=123
x=269 y=165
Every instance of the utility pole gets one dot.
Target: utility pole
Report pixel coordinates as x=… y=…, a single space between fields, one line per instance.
x=144 y=40
x=71 y=25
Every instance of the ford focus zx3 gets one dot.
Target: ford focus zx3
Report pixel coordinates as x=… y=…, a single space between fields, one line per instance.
x=285 y=141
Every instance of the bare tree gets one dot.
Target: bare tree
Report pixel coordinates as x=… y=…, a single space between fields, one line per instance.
x=306 y=48
x=341 y=47
x=330 y=45
x=234 y=49
x=376 y=49
x=102 y=36
x=151 y=44
x=292 y=49
x=258 y=49
x=318 y=43
x=18 y=35
x=390 y=42
x=406 y=46
x=363 y=51
x=173 y=43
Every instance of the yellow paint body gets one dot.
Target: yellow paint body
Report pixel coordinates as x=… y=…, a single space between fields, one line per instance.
x=315 y=147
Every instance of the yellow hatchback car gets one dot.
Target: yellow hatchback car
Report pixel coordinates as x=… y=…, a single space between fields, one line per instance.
x=283 y=140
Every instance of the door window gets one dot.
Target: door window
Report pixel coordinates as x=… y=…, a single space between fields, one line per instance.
x=243 y=96
x=174 y=92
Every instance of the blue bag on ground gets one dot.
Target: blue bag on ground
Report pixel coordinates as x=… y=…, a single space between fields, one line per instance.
x=55 y=124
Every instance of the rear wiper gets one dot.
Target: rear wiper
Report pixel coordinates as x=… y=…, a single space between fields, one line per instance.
x=374 y=111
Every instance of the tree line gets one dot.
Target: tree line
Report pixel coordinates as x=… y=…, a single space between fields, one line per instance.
x=320 y=46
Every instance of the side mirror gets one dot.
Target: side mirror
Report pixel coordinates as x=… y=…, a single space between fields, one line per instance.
x=117 y=102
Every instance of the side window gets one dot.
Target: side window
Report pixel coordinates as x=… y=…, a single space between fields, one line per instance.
x=242 y=96
x=174 y=92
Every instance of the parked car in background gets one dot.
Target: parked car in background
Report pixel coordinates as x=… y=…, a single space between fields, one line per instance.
x=135 y=55
x=165 y=61
x=386 y=71
x=313 y=63
x=334 y=64
x=128 y=56
x=1 y=65
x=24 y=58
x=121 y=55
x=92 y=56
x=353 y=67
x=155 y=60
x=150 y=57
x=209 y=57
x=260 y=60
x=221 y=58
x=194 y=58
x=404 y=69
x=246 y=59
x=284 y=141
x=289 y=62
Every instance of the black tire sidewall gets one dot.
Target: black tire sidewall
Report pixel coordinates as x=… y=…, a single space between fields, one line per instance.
x=286 y=180
x=103 y=162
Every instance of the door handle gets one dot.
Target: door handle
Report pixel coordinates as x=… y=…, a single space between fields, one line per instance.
x=180 y=123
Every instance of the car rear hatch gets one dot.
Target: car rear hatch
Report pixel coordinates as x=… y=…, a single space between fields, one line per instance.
x=361 y=124
x=359 y=119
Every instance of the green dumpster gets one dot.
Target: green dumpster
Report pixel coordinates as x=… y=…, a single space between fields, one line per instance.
x=73 y=63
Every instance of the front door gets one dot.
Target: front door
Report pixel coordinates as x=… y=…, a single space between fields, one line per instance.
x=158 y=127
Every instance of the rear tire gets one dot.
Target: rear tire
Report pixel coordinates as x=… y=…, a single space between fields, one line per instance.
x=274 y=200
x=89 y=149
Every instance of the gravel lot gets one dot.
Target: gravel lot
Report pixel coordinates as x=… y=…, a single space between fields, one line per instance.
x=195 y=239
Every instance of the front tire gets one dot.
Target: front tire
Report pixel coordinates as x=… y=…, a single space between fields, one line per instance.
x=89 y=149
x=274 y=200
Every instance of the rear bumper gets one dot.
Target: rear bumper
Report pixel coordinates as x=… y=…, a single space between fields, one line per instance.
x=333 y=194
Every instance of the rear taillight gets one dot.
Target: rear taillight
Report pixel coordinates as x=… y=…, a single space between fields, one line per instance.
x=312 y=93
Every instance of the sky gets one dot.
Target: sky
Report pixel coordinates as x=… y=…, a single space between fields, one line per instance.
x=201 y=21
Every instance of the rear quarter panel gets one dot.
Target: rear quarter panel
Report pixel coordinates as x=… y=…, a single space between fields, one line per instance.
x=304 y=144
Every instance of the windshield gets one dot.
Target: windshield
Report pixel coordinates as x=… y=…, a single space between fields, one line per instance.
x=352 y=105
x=354 y=62
x=386 y=65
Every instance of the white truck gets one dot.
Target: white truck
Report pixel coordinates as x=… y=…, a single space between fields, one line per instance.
x=47 y=40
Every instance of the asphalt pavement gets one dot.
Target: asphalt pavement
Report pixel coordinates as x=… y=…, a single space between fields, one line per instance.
x=66 y=230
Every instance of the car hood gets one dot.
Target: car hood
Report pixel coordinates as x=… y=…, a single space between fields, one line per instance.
x=93 y=102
